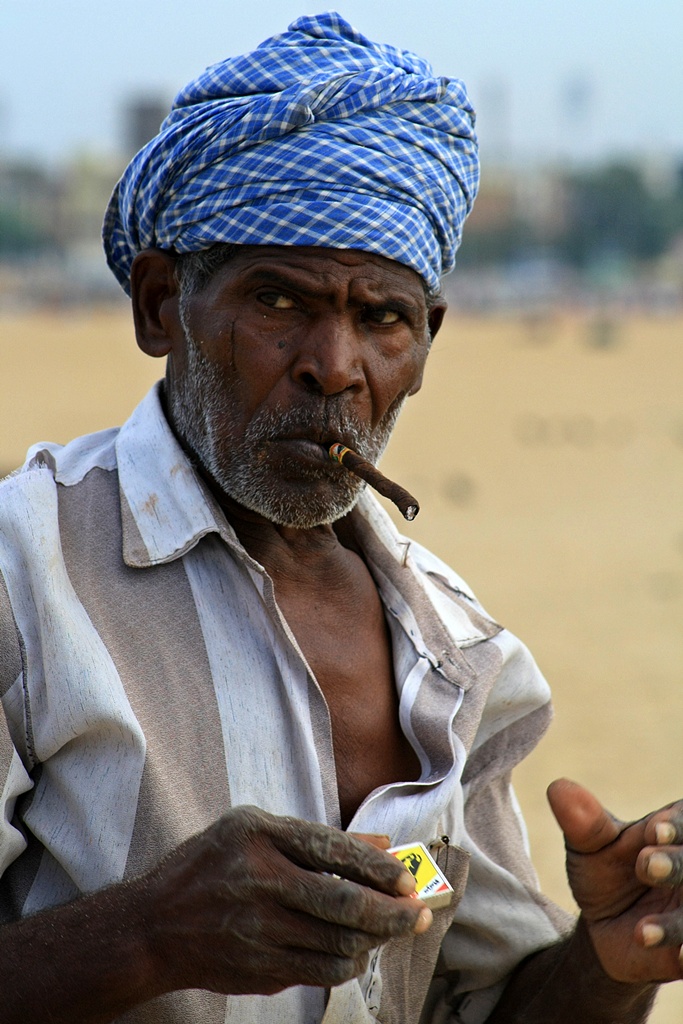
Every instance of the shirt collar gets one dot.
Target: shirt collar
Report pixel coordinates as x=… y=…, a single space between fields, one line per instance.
x=165 y=506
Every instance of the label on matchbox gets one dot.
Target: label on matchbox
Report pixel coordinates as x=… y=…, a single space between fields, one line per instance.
x=431 y=885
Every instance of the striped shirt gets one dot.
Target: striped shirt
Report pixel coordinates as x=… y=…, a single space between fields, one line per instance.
x=149 y=682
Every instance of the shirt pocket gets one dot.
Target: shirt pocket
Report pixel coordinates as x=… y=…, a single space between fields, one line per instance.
x=407 y=965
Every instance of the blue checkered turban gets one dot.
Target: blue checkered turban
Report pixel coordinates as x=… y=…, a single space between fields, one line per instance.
x=318 y=137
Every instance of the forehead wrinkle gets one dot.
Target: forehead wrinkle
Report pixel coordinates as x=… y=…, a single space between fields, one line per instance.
x=323 y=283
x=280 y=279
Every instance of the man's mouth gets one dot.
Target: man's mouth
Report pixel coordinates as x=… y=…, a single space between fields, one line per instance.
x=314 y=448
x=301 y=447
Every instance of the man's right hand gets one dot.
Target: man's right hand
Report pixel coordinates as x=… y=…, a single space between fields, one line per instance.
x=252 y=905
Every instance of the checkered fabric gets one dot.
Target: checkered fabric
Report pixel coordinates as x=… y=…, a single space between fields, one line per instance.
x=318 y=137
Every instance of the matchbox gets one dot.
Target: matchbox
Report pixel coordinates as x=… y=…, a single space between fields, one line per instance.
x=432 y=886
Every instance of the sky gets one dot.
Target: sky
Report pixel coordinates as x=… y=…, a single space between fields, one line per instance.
x=551 y=80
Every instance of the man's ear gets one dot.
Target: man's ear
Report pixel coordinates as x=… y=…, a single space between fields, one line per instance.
x=154 y=293
x=435 y=318
x=434 y=321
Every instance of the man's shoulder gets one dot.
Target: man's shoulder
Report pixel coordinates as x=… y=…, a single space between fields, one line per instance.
x=29 y=496
x=447 y=592
x=430 y=564
x=69 y=463
x=447 y=581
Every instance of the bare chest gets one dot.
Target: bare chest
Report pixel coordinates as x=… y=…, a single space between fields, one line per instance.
x=345 y=639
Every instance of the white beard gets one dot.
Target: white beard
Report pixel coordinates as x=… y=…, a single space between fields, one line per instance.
x=202 y=411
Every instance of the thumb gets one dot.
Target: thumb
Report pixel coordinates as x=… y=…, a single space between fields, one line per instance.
x=378 y=840
x=587 y=826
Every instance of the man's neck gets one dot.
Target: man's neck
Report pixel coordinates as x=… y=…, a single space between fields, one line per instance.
x=300 y=554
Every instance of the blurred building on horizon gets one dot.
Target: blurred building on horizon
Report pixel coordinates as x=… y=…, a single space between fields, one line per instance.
x=555 y=234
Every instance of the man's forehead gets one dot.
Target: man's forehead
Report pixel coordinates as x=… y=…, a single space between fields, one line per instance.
x=323 y=263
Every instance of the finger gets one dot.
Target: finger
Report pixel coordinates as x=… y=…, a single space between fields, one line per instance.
x=660 y=930
x=277 y=933
x=587 y=826
x=329 y=850
x=325 y=970
x=305 y=932
x=661 y=866
x=342 y=902
x=380 y=842
x=665 y=827
x=295 y=966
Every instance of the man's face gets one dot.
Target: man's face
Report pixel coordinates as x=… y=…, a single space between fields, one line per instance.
x=285 y=351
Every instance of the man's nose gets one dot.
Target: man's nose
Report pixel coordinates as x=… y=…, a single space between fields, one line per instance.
x=329 y=359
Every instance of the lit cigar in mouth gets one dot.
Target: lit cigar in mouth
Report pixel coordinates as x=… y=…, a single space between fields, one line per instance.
x=404 y=502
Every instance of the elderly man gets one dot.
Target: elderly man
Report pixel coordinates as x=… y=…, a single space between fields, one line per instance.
x=218 y=659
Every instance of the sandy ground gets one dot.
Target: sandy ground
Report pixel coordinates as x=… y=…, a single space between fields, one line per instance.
x=547 y=454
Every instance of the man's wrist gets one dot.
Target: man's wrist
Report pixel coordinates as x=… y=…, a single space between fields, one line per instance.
x=611 y=991
x=566 y=983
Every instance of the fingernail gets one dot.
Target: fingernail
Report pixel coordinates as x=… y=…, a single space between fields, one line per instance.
x=660 y=866
x=405 y=886
x=665 y=833
x=652 y=934
x=424 y=920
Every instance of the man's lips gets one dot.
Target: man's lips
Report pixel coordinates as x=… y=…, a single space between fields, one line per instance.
x=302 y=446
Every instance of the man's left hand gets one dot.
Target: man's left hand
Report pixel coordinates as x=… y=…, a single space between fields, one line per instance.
x=627 y=879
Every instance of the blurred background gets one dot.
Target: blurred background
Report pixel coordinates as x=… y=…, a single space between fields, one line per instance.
x=546 y=446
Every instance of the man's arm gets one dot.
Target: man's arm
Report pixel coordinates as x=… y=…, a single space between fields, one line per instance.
x=627 y=880
x=565 y=984
x=251 y=905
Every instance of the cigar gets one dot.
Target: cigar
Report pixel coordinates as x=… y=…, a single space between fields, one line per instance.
x=407 y=505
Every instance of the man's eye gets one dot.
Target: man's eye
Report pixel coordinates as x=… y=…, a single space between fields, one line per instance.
x=276 y=300
x=383 y=317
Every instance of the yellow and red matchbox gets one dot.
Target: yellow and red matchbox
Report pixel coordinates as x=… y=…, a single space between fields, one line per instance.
x=431 y=885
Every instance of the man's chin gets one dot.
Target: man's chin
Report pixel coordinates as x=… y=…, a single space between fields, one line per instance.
x=305 y=516
x=301 y=508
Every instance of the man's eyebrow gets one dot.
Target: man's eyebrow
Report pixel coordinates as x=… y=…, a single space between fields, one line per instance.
x=394 y=299
x=399 y=305
x=279 y=279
